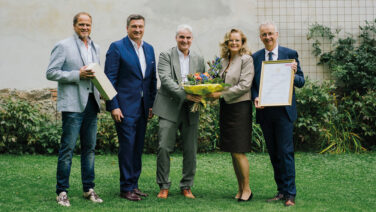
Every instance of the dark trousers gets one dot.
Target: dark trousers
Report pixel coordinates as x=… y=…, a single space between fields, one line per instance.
x=278 y=133
x=85 y=125
x=131 y=134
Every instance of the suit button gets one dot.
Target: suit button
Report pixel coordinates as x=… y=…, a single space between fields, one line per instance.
x=87 y=88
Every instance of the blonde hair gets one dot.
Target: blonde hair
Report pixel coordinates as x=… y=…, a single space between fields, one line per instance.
x=225 y=52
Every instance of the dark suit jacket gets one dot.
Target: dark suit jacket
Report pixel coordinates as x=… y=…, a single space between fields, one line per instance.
x=123 y=69
x=283 y=54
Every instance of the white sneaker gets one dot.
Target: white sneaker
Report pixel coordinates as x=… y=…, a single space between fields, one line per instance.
x=92 y=196
x=62 y=199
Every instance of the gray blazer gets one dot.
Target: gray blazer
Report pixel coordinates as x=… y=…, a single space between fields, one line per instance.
x=64 y=67
x=171 y=95
x=240 y=75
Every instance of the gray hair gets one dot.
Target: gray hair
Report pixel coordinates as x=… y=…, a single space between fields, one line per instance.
x=182 y=27
x=265 y=23
x=134 y=17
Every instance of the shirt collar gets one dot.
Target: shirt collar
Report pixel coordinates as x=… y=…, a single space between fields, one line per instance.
x=275 y=51
x=135 y=44
x=78 y=38
x=181 y=54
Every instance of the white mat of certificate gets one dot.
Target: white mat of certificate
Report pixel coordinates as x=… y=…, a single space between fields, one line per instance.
x=276 y=83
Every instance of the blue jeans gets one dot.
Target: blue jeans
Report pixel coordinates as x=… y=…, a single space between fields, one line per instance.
x=85 y=125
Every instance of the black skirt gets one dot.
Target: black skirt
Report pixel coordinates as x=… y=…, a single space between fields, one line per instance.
x=235 y=122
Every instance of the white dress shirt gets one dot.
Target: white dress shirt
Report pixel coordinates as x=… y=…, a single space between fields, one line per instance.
x=184 y=65
x=275 y=53
x=141 y=56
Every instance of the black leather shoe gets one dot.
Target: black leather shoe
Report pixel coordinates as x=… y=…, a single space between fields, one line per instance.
x=130 y=195
x=244 y=200
x=140 y=193
x=277 y=197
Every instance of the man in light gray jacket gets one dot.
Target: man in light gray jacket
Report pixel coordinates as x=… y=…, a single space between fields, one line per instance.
x=78 y=100
x=172 y=105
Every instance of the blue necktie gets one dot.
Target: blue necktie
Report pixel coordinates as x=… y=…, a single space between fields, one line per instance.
x=270 y=56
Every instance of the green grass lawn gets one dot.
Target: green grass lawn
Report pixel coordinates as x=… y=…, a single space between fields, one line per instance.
x=324 y=183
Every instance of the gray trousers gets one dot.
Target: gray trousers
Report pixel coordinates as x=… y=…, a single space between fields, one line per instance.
x=167 y=138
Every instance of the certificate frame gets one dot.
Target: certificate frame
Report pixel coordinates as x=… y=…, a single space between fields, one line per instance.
x=276 y=83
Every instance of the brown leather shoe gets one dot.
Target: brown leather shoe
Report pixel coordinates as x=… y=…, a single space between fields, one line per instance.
x=130 y=195
x=290 y=201
x=140 y=193
x=187 y=193
x=277 y=197
x=163 y=194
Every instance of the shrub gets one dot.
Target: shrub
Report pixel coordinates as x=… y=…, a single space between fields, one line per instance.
x=362 y=110
x=315 y=103
x=339 y=136
x=107 y=140
x=24 y=129
x=47 y=138
x=352 y=63
x=208 y=131
x=151 y=136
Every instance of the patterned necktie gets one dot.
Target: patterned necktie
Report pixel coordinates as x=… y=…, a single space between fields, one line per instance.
x=270 y=56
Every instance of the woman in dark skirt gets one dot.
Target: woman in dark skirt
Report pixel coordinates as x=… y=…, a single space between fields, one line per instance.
x=235 y=106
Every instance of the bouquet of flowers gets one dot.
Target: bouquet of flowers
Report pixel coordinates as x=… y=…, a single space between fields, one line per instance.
x=205 y=83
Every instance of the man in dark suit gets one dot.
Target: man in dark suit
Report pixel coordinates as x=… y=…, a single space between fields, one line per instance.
x=277 y=122
x=130 y=66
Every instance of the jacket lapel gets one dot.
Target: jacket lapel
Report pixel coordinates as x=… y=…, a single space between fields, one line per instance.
x=83 y=59
x=129 y=46
x=224 y=66
x=281 y=53
x=192 y=63
x=147 y=56
x=176 y=64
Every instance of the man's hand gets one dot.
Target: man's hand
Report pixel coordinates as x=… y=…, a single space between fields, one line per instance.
x=117 y=115
x=215 y=95
x=150 y=113
x=86 y=74
x=193 y=98
x=257 y=103
x=294 y=67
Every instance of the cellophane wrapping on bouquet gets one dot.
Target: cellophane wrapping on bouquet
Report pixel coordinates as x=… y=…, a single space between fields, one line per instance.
x=205 y=83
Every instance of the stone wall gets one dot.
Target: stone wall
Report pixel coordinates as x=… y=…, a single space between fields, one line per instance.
x=45 y=99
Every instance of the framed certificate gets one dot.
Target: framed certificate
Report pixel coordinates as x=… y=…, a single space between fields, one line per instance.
x=276 y=83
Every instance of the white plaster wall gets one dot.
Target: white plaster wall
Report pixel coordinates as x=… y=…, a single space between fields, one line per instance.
x=30 y=28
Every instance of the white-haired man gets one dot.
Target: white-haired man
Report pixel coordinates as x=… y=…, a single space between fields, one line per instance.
x=172 y=105
x=277 y=123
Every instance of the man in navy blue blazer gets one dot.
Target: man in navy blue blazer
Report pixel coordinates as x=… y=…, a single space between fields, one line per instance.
x=130 y=66
x=277 y=122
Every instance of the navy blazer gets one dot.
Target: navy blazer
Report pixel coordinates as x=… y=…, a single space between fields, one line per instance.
x=283 y=54
x=123 y=69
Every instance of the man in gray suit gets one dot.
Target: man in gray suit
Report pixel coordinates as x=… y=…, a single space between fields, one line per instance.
x=172 y=105
x=78 y=100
